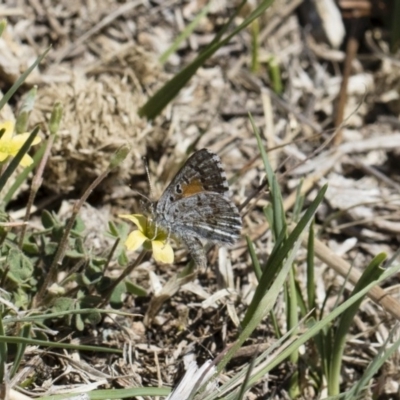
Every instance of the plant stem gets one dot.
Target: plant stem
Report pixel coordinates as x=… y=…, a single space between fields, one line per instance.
x=64 y=240
x=124 y=274
x=36 y=183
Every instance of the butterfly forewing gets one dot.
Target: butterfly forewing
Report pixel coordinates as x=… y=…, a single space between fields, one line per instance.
x=202 y=172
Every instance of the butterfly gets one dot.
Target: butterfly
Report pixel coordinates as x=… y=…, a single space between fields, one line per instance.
x=196 y=206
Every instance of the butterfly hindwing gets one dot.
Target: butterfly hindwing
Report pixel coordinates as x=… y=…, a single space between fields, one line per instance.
x=208 y=215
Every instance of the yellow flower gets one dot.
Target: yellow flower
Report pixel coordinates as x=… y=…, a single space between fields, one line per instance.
x=10 y=144
x=150 y=237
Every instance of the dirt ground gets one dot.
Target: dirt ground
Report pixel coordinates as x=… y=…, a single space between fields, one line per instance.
x=104 y=65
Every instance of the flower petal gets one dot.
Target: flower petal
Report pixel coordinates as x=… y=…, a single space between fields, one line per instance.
x=134 y=240
x=162 y=251
x=37 y=140
x=26 y=160
x=138 y=219
x=8 y=126
x=3 y=156
x=18 y=141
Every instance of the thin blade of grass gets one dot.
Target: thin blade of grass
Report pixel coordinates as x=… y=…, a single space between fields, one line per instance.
x=17 y=159
x=322 y=324
x=298 y=205
x=278 y=211
x=25 y=333
x=157 y=102
x=254 y=259
x=243 y=387
x=103 y=394
x=384 y=354
x=34 y=342
x=185 y=34
x=275 y=261
x=3 y=351
x=23 y=175
x=61 y=314
x=310 y=270
x=371 y=273
x=22 y=78
x=3 y=24
x=262 y=308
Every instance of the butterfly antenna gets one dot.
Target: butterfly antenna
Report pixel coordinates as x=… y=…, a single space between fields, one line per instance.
x=141 y=194
x=146 y=167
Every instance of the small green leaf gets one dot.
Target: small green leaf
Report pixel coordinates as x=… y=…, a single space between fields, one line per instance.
x=113 y=229
x=20 y=267
x=83 y=280
x=63 y=304
x=92 y=318
x=55 y=118
x=136 y=290
x=90 y=301
x=98 y=263
x=116 y=297
x=21 y=299
x=48 y=221
x=21 y=124
x=79 y=225
x=30 y=248
x=123 y=259
x=119 y=156
x=80 y=326
x=50 y=248
x=3 y=24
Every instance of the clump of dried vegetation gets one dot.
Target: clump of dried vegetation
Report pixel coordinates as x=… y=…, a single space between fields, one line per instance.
x=301 y=101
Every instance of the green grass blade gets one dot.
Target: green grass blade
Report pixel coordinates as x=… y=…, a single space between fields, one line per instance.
x=254 y=259
x=260 y=309
x=3 y=351
x=23 y=175
x=292 y=306
x=157 y=102
x=292 y=323
x=278 y=211
x=185 y=34
x=17 y=159
x=21 y=79
x=371 y=273
x=25 y=333
x=3 y=25
x=113 y=394
x=275 y=261
x=61 y=314
x=310 y=271
x=255 y=46
x=246 y=380
x=298 y=205
x=34 y=342
x=320 y=325
x=383 y=355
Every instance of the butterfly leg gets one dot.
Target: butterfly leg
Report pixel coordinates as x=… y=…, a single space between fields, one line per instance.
x=155 y=232
x=196 y=250
x=168 y=237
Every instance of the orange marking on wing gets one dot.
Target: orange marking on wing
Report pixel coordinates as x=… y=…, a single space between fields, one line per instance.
x=193 y=187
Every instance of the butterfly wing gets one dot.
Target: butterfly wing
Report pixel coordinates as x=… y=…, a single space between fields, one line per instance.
x=196 y=250
x=202 y=172
x=206 y=215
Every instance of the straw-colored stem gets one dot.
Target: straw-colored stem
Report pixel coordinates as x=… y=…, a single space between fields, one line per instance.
x=64 y=240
